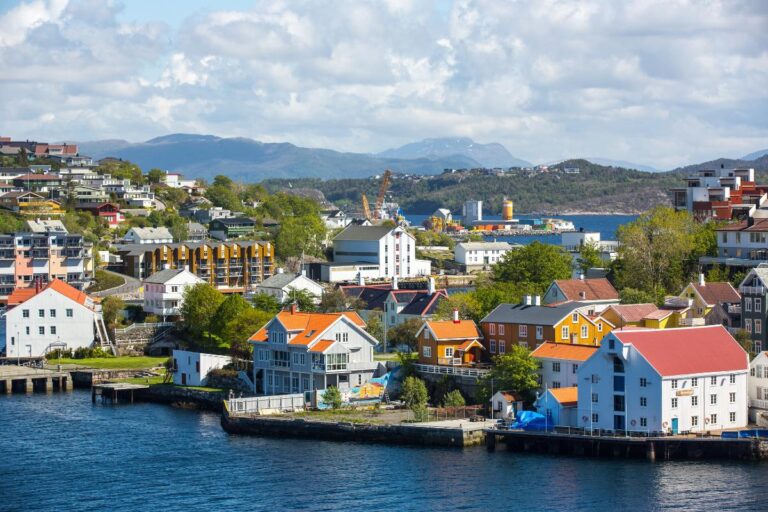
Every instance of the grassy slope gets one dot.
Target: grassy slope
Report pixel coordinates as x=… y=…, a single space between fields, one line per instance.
x=115 y=363
x=105 y=281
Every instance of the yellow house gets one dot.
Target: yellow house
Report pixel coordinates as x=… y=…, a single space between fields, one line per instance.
x=675 y=313
x=706 y=296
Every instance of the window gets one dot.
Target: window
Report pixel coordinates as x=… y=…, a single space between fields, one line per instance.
x=758 y=305
x=427 y=351
x=555 y=384
x=713 y=381
x=25 y=313
x=493 y=346
x=643 y=401
x=694 y=401
x=611 y=344
x=713 y=399
x=69 y=313
x=539 y=332
x=522 y=331
x=53 y=331
x=674 y=383
x=674 y=403
x=41 y=330
x=732 y=398
x=694 y=421
x=174 y=289
x=643 y=382
x=491 y=328
x=426 y=334
x=52 y=313
x=342 y=337
x=713 y=418
x=556 y=367
x=594 y=398
x=41 y=313
x=584 y=331
x=748 y=304
x=599 y=326
x=502 y=347
x=732 y=378
x=575 y=318
x=594 y=417
x=564 y=332
x=643 y=421
x=758 y=326
x=732 y=417
x=574 y=368
x=694 y=382
x=501 y=330
x=448 y=351
x=748 y=325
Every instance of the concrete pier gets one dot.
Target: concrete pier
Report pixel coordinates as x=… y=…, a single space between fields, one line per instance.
x=23 y=379
x=114 y=392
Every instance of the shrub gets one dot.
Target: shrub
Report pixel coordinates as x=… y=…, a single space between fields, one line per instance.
x=90 y=352
x=332 y=396
x=453 y=399
x=414 y=393
x=223 y=373
x=59 y=352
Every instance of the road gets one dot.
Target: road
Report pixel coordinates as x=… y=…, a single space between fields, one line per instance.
x=130 y=287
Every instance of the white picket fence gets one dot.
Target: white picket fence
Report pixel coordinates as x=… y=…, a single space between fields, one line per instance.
x=266 y=404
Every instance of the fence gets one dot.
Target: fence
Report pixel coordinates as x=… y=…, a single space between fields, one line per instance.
x=461 y=371
x=452 y=413
x=266 y=404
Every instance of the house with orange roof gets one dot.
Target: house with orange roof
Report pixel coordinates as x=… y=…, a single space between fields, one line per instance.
x=297 y=352
x=450 y=343
x=559 y=363
x=54 y=316
x=559 y=406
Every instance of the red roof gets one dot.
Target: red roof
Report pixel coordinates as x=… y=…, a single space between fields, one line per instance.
x=633 y=312
x=587 y=289
x=687 y=351
x=716 y=293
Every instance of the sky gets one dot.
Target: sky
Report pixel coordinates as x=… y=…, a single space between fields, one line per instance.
x=657 y=82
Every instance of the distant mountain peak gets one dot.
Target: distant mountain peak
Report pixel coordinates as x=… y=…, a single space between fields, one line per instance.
x=486 y=155
x=182 y=137
x=755 y=155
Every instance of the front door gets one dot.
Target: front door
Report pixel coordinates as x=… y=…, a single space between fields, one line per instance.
x=618 y=422
x=183 y=379
x=674 y=425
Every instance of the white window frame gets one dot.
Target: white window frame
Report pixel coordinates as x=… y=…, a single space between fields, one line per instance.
x=565 y=332
x=539 y=332
x=584 y=331
x=502 y=347
x=522 y=331
x=426 y=351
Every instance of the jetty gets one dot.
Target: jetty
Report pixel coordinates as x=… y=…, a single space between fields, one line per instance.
x=28 y=379
x=578 y=442
x=114 y=391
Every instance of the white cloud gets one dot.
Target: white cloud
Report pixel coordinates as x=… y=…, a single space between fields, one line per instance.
x=656 y=81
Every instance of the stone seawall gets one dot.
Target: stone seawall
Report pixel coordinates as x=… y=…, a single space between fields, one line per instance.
x=183 y=397
x=388 y=434
x=87 y=378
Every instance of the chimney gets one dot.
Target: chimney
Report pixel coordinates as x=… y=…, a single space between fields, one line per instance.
x=702 y=281
x=527 y=300
x=360 y=279
x=394 y=283
x=280 y=270
x=293 y=309
x=431 y=285
x=581 y=276
x=455 y=316
x=537 y=300
x=304 y=272
x=582 y=295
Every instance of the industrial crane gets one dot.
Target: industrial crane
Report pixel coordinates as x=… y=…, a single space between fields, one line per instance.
x=376 y=214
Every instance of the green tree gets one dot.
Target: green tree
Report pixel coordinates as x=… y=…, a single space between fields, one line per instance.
x=633 y=296
x=414 y=393
x=374 y=326
x=589 y=257
x=155 y=175
x=245 y=325
x=223 y=197
x=538 y=264
x=201 y=302
x=229 y=308
x=466 y=303
x=454 y=399
x=332 y=396
x=300 y=235
x=303 y=299
x=404 y=334
x=407 y=361
x=9 y=223
x=745 y=340
x=110 y=309
x=265 y=302
x=514 y=371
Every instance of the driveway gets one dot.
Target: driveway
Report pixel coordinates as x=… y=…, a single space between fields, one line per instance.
x=129 y=288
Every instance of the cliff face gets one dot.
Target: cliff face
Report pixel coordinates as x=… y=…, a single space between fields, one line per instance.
x=627 y=203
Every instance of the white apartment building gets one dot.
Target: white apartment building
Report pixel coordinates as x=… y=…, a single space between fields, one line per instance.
x=174 y=180
x=373 y=252
x=56 y=316
x=758 y=390
x=297 y=352
x=690 y=379
x=164 y=291
x=192 y=368
x=559 y=364
x=480 y=255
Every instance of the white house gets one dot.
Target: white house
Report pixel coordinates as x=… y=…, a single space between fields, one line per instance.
x=164 y=291
x=690 y=379
x=297 y=352
x=505 y=405
x=159 y=235
x=373 y=252
x=480 y=255
x=282 y=284
x=174 y=180
x=192 y=368
x=335 y=219
x=758 y=390
x=559 y=363
x=57 y=316
x=559 y=406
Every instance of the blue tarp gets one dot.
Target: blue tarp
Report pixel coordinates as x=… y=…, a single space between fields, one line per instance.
x=529 y=420
x=759 y=432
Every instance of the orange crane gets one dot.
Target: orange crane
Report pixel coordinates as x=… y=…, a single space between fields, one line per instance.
x=366 y=208
x=382 y=190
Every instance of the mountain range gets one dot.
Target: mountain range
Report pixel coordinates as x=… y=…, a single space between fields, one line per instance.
x=486 y=155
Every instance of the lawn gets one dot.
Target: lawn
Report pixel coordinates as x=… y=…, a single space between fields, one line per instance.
x=385 y=356
x=110 y=363
x=104 y=281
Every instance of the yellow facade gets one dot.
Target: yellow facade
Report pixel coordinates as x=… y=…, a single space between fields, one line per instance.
x=579 y=329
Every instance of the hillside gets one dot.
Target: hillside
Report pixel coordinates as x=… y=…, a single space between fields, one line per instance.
x=487 y=155
x=759 y=164
x=596 y=189
x=242 y=159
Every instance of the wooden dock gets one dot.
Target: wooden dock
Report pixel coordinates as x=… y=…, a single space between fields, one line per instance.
x=663 y=447
x=113 y=392
x=25 y=379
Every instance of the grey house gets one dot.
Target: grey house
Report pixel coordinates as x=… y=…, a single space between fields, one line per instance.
x=754 y=305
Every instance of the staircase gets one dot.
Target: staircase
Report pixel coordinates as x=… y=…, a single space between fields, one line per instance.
x=102 y=335
x=136 y=337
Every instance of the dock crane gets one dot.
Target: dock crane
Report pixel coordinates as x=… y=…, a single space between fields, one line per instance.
x=376 y=214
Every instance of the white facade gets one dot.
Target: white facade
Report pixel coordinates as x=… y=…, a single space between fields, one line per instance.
x=758 y=389
x=281 y=285
x=504 y=405
x=558 y=373
x=174 y=180
x=50 y=320
x=164 y=291
x=148 y=236
x=620 y=390
x=480 y=254
x=192 y=368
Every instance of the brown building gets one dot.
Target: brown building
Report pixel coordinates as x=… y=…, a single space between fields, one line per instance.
x=232 y=267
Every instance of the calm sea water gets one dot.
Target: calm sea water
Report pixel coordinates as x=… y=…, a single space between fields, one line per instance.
x=605 y=224
x=59 y=452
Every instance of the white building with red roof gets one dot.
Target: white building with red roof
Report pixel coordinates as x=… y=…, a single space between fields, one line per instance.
x=297 y=352
x=559 y=363
x=665 y=380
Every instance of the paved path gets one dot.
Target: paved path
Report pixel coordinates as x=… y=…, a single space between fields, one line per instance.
x=159 y=205
x=130 y=287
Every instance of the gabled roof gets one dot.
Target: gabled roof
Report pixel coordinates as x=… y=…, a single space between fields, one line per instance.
x=163 y=276
x=563 y=351
x=417 y=302
x=308 y=327
x=525 y=314
x=450 y=330
x=632 y=312
x=368 y=233
x=280 y=280
x=687 y=351
x=152 y=233
x=37 y=177
x=486 y=246
x=717 y=293
x=760 y=271
x=566 y=396
x=587 y=289
x=19 y=296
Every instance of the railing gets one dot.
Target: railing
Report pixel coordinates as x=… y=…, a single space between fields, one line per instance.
x=752 y=290
x=734 y=309
x=462 y=371
x=449 y=361
x=262 y=404
x=758 y=404
x=691 y=322
x=143 y=325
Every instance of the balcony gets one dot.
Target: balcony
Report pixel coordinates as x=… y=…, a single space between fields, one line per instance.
x=460 y=371
x=734 y=309
x=758 y=404
x=752 y=290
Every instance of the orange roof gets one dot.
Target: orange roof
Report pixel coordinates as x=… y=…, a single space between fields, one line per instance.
x=566 y=396
x=563 y=351
x=468 y=345
x=21 y=295
x=309 y=325
x=450 y=330
x=322 y=345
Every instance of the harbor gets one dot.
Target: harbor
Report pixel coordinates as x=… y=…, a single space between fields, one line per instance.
x=26 y=379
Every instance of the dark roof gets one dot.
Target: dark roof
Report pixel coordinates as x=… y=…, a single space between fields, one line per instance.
x=235 y=221
x=717 y=292
x=524 y=314
x=355 y=232
x=417 y=302
x=163 y=276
